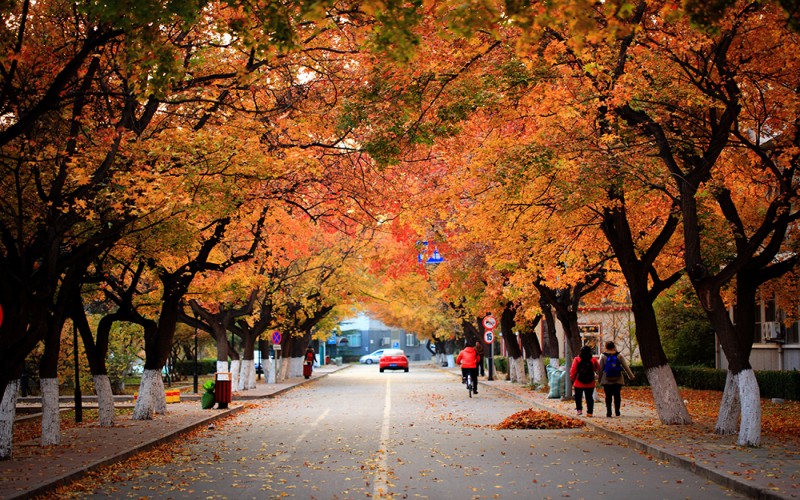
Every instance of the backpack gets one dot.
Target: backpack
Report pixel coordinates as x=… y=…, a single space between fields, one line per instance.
x=613 y=368
x=585 y=371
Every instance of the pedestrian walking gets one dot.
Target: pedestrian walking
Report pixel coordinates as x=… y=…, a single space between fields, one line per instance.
x=308 y=362
x=612 y=377
x=479 y=350
x=583 y=375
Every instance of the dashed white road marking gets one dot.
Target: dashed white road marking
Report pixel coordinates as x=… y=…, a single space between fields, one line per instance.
x=311 y=427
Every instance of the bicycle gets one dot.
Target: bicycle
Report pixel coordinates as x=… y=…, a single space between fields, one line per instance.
x=470 y=387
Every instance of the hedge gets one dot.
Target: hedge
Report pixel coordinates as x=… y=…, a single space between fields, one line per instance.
x=204 y=367
x=772 y=384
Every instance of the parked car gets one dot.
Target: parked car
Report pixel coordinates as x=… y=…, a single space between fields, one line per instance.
x=393 y=359
x=372 y=357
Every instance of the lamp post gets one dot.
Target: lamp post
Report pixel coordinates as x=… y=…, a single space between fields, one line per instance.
x=78 y=397
x=195 y=360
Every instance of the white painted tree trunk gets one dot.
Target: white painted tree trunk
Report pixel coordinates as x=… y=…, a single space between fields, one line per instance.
x=222 y=366
x=518 y=372
x=750 y=400
x=283 y=369
x=297 y=367
x=536 y=371
x=270 y=371
x=236 y=366
x=247 y=375
x=105 y=400
x=145 y=403
x=669 y=405
x=51 y=416
x=159 y=396
x=8 y=411
x=451 y=361
x=729 y=408
x=554 y=362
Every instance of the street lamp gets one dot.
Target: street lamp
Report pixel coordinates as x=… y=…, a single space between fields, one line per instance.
x=195 y=360
x=78 y=397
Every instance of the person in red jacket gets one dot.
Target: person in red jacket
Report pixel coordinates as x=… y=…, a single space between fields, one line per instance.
x=469 y=359
x=583 y=375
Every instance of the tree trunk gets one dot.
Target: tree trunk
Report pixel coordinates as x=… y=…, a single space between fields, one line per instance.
x=247 y=375
x=516 y=364
x=750 y=399
x=517 y=373
x=667 y=397
x=639 y=275
x=549 y=338
x=236 y=367
x=105 y=400
x=729 y=408
x=536 y=371
x=8 y=410
x=51 y=416
x=737 y=352
x=159 y=396
x=145 y=404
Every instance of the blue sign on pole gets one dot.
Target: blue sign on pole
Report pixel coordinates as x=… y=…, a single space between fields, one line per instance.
x=276 y=337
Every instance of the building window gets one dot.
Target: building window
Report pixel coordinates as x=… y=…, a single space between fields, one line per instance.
x=386 y=342
x=354 y=340
x=411 y=340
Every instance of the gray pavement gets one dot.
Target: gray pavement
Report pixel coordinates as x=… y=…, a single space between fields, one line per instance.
x=771 y=471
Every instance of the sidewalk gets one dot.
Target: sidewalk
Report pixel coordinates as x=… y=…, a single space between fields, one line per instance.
x=771 y=471
x=35 y=470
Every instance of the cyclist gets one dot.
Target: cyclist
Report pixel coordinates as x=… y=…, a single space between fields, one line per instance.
x=469 y=359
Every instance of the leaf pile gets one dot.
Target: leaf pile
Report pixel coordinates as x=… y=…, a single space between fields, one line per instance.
x=538 y=419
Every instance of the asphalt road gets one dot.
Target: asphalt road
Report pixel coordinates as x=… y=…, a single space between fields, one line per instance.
x=359 y=433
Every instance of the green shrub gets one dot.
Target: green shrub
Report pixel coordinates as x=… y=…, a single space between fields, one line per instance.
x=204 y=367
x=500 y=364
x=779 y=384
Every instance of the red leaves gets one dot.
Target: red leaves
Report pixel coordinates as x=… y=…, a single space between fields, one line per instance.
x=538 y=419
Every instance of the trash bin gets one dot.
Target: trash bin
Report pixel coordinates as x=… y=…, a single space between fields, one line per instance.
x=327 y=360
x=223 y=389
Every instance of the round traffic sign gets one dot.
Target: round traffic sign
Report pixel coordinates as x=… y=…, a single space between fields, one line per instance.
x=276 y=337
x=489 y=322
x=488 y=336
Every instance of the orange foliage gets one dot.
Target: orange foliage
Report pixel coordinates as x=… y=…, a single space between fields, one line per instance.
x=538 y=419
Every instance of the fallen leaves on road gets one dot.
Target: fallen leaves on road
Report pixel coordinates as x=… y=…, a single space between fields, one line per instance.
x=538 y=419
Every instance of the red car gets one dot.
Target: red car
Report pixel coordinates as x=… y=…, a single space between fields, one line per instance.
x=393 y=359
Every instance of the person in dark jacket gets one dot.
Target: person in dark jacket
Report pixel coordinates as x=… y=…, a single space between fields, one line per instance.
x=612 y=382
x=469 y=359
x=584 y=378
x=479 y=350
